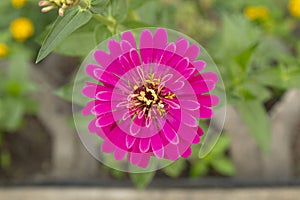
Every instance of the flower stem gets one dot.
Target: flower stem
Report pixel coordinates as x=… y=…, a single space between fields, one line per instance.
x=103 y=20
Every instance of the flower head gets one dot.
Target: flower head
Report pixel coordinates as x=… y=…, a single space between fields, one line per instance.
x=294 y=7
x=3 y=50
x=257 y=12
x=146 y=100
x=22 y=29
x=18 y=3
x=62 y=5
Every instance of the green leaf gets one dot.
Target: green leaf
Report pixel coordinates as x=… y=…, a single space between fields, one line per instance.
x=244 y=58
x=134 y=4
x=98 y=6
x=101 y=33
x=119 y=10
x=175 y=169
x=224 y=166
x=268 y=77
x=63 y=27
x=65 y=92
x=15 y=110
x=222 y=145
x=257 y=91
x=256 y=118
x=135 y=24
x=77 y=44
x=117 y=174
x=141 y=180
x=199 y=169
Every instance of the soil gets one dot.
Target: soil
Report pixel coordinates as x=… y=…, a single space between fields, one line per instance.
x=30 y=151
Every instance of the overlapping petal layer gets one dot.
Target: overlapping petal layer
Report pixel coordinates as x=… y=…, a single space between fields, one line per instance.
x=147 y=99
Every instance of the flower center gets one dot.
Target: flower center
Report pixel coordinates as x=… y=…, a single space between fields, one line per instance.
x=148 y=99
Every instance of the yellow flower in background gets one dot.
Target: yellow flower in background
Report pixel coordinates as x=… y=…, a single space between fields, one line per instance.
x=18 y=3
x=294 y=7
x=257 y=12
x=21 y=29
x=3 y=50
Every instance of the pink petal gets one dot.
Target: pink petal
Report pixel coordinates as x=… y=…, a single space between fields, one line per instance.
x=115 y=48
x=130 y=141
x=102 y=58
x=104 y=120
x=146 y=46
x=182 y=64
x=107 y=146
x=189 y=120
x=125 y=62
x=168 y=53
x=128 y=36
x=134 y=128
x=171 y=103
x=160 y=38
x=199 y=65
x=188 y=73
x=102 y=109
x=170 y=134
x=87 y=110
x=157 y=146
x=181 y=46
x=172 y=152
x=192 y=52
x=187 y=133
x=196 y=139
x=189 y=104
x=144 y=145
x=206 y=112
x=200 y=131
x=144 y=161
x=135 y=58
x=210 y=76
x=135 y=158
x=146 y=40
x=119 y=154
x=92 y=126
x=125 y=46
x=203 y=112
x=204 y=86
x=104 y=95
x=208 y=100
x=187 y=153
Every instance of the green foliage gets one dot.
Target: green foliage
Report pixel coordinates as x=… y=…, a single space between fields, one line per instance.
x=141 y=180
x=216 y=159
x=175 y=169
x=63 y=27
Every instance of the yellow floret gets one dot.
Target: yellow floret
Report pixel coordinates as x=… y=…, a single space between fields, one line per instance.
x=18 y=3
x=21 y=29
x=3 y=50
x=256 y=12
x=294 y=7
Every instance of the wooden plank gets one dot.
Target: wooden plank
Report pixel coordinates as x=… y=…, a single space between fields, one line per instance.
x=79 y=193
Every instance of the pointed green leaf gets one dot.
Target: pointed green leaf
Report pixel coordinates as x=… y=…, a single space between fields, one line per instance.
x=141 y=180
x=256 y=118
x=244 y=58
x=119 y=10
x=175 y=169
x=224 y=166
x=63 y=27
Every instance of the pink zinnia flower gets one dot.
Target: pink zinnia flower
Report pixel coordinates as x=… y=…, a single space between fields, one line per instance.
x=147 y=99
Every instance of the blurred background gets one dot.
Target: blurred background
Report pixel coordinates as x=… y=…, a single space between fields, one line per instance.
x=255 y=45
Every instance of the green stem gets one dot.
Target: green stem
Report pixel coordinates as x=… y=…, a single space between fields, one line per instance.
x=103 y=20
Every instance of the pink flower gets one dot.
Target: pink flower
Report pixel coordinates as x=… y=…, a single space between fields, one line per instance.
x=147 y=99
